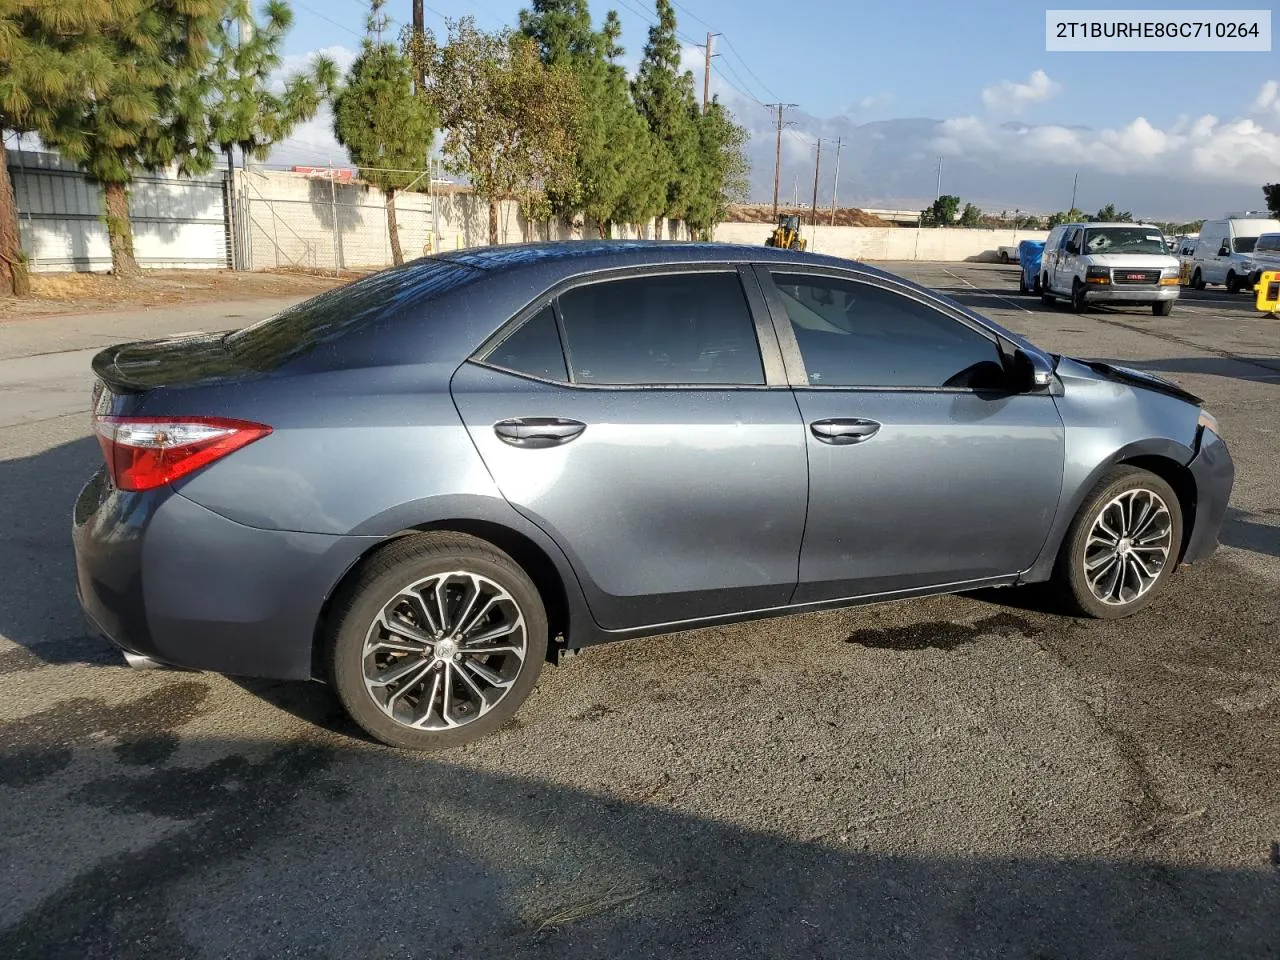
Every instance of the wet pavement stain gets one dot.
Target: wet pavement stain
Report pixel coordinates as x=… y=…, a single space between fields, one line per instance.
x=40 y=745
x=945 y=635
x=111 y=910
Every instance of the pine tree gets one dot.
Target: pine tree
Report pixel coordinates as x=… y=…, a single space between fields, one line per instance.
x=146 y=114
x=53 y=57
x=665 y=99
x=385 y=127
x=242 y=109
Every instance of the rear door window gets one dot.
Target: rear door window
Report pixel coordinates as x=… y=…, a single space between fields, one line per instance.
x=534 y=349
x=669 y=329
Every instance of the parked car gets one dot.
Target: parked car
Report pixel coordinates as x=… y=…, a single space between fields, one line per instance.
x=1224 y=250
x=423 y=484
x=1117 y=263
x=1008 y=254
x=1265 y=257
x=1030 y=253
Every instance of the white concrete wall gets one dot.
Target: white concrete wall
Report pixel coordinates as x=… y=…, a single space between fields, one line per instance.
x=891 y=243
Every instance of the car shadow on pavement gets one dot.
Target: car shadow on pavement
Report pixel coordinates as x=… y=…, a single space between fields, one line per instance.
x=38 y=606
x=1242 y=530
x=1254 y=369
x=315 y=849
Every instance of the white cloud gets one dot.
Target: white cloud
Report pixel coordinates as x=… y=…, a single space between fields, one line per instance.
x=1008 y=96
x=1237 y=151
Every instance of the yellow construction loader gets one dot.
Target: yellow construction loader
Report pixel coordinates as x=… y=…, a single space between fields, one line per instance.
x=787 y=233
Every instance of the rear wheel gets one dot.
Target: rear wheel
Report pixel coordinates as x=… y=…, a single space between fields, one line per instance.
x=1077 y=295
x=1162 y=308
x=1233 y=282
x=1004 y=257
x=1022 y=283
x=1122 y=545
x=1046 y=297
x=437 y=641
x=1197 y=280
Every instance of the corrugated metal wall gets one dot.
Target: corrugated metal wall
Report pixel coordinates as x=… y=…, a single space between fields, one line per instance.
x=177 y=221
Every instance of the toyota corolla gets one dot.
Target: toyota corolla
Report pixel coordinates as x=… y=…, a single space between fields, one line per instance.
x=421 y=486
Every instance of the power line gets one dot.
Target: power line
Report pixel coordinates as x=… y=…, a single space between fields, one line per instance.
x=340 y=26
x=747 y=66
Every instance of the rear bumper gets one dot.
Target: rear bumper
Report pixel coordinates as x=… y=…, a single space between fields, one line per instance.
x=1118 y=294
x=165 y=578
x=1214 y=474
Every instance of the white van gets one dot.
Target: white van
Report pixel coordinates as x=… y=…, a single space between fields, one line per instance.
x=1122 y=263
x=1266 y=257
x=1224 y=251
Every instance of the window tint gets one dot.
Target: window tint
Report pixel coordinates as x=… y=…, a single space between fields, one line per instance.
x=1268 y=241
x=673 y=329
x=858 y=335
x=533 y=349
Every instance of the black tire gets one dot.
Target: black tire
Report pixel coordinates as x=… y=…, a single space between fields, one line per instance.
x=1069 y=577
x=377 y=582
x=1162 y=308
x=1004 y=258
x=1233 y=283
x=1197 y=281
x=1037 y=289
x=797 y=243
x=1077 y=295
x=1046 y=297
x=1022 y=283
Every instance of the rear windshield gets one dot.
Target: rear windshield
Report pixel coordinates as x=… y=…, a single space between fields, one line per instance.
x=292 y=332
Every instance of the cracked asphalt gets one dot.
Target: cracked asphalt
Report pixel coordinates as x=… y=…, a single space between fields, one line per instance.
x=954 y=777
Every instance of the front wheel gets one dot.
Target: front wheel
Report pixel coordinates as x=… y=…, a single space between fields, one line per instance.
x=1233 y=283
x=1162 y=308
x=1122 y=546
x=1022 y=283
x=436 y=641
x=1077 y=295
x=1197 y=280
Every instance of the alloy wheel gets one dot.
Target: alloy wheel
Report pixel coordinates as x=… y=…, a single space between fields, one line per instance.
x=1128 y=547
x=444 y=651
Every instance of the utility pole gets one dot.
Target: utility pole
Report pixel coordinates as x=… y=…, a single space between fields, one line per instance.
x=706 y=72
x=939 y=193
x=817 y=165
x=777 y=155
x=1074 y=183
x=419 y=34
x=835 y=183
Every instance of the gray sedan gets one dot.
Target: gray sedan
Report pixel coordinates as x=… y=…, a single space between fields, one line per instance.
x=421 y=486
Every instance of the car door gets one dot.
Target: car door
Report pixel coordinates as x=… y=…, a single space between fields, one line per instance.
x=1065 y=269
x=925 y=469
x=644 y=422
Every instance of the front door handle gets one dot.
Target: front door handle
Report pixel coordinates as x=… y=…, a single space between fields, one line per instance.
x=844 y=431
x=534 y=433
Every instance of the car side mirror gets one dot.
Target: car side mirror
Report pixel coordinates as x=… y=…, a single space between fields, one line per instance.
x=1225 y=249
x=1033 y=372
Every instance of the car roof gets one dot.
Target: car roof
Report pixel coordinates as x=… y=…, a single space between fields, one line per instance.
x=591 y=255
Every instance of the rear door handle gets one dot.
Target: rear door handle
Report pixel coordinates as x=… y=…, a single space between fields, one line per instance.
x=842 y=432
x=537 y=432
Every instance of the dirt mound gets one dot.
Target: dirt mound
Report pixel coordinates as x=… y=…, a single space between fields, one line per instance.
x=763 y=213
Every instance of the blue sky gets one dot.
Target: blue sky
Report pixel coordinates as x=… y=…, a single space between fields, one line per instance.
x=977 y=68
x=913 y=58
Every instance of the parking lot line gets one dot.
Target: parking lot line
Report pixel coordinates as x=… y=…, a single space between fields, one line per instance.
x=986 y=293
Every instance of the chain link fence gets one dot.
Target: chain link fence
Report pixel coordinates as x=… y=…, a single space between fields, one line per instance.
x=327 y=221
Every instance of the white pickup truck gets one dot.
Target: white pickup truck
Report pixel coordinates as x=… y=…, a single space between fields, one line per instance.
x=1118 y=263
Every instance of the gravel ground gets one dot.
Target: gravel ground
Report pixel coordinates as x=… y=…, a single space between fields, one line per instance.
x=958 y=776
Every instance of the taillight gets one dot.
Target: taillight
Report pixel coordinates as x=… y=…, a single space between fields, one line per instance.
x=147 y=452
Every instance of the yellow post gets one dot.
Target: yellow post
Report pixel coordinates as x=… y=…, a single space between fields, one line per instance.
x=1269 y=292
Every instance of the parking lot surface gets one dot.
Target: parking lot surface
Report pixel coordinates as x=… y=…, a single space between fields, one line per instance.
x=959 y=776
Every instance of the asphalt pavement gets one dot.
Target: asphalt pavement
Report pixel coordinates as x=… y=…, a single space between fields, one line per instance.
x=957 y=776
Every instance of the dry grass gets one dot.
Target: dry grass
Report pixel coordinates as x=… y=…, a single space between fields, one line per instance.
x=576 y=912
x=81 y=292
